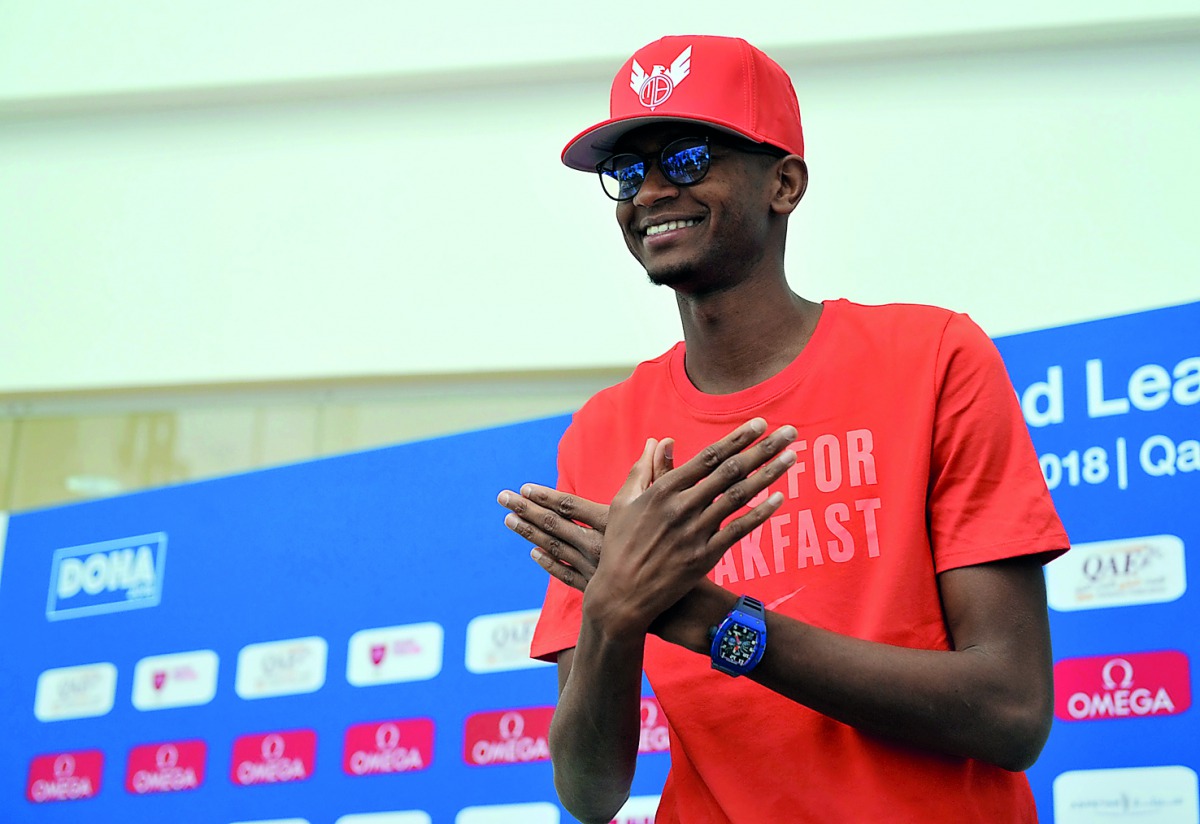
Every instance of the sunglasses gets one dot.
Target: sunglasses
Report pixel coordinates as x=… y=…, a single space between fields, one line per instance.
x=683 y=162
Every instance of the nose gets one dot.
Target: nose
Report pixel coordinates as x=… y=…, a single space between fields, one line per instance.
x=655 y=187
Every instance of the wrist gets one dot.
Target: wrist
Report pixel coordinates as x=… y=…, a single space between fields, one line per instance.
x=687 y=623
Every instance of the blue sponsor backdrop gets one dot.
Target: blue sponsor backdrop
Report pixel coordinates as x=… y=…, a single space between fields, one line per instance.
x=410 y=534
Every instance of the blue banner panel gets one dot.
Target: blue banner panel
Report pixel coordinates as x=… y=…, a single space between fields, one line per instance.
x=310 y=643
x=1114 y=409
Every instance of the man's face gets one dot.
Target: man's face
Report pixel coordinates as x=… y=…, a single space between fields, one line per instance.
x=695 y=238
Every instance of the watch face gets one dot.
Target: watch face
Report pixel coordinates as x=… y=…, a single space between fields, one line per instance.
x=738 y=645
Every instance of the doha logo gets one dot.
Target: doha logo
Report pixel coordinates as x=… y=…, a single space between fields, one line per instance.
x=109 y=576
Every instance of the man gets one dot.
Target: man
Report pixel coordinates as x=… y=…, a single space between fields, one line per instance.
x=844 y=620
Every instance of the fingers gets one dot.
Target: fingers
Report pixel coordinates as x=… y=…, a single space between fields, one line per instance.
x=735 y=481
x=709 y=458
x=743 y=492
x=571 y=507
x=739 y=528
x=560 y=571
x=563 y=540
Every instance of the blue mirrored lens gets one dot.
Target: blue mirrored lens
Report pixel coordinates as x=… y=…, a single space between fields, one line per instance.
x=622 y=176
x=686 y=164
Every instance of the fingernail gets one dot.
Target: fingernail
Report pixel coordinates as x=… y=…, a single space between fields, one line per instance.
x=526 y=490
x=502 y=498
x=511 y=521
x=775 y=498
x=787 y=458
x=758 y=425
x=788 y=432
x=535 y=554
x=669 y=451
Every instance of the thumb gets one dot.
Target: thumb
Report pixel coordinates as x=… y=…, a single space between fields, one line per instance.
x=664 y=458
x=642 y=473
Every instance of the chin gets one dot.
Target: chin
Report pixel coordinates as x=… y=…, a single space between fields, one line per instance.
x=672 y=276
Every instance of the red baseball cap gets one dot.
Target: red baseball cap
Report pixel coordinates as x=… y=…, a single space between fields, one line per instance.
x=722 y=82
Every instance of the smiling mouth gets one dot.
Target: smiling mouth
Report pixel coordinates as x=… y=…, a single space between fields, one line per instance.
x=659 y=228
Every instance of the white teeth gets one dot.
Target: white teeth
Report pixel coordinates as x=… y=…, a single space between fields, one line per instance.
x=668 y=226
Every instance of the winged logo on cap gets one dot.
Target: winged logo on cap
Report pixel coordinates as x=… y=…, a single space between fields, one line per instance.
x=655 y=87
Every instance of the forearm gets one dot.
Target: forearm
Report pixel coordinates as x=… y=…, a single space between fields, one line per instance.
x=960 y=702
x=970 y=702
x=594 y=735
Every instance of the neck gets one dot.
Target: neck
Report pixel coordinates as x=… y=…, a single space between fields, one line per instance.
x=743 y=335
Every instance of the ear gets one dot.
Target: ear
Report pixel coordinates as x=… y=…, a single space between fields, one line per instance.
x=791 y=182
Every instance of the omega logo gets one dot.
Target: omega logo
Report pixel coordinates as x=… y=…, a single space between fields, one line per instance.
x=512 y=724
x=64 y=766
x=387 y=737
x=272 y=747
x=167 y=756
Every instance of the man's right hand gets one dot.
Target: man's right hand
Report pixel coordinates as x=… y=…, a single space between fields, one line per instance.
x=663 y=531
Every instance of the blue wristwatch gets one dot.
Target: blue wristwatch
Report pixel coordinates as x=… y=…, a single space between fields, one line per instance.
x=739 y=642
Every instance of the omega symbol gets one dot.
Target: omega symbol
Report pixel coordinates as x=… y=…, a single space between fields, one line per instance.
x=64 y=766
x=387 y=737
x=512 y=724
x=649 y=713
x=272 y=747
x=167 y=756
x=1107 y=674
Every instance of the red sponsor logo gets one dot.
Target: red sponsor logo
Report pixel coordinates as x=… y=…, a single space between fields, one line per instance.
x=160 y=678
x=388 y=747
x=1122 y=686
x=654 y=736
x=507 y=737
x=166 y=768
x=64 y=776
x=273 y=758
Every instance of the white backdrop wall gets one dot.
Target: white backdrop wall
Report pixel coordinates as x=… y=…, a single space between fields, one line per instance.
x=224 y=192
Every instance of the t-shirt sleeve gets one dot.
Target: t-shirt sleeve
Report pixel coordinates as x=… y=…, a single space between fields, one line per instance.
x=987 y=498
x=558 y=625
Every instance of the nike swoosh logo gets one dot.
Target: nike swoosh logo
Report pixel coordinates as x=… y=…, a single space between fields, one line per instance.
x=787 y=597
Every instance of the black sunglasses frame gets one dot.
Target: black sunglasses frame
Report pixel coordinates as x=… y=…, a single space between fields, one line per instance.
x=737 y=145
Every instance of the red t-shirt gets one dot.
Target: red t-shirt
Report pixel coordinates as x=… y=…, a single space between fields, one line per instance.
x=913 y=458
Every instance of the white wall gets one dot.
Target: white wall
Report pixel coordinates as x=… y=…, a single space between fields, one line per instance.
x=195 y=193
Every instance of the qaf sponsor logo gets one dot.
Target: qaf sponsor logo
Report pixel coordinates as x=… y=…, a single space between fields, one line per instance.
x=639 y=809
x=75 y=692
x=64 y=776
x=1122 y=686
x=654 y=736
x=500 y=642
x=276 y=668
x=508 y=737
x=274 y=758
x=1119 y=573
x=178 y=679
x=173 y=766
x=1145 y=795
x=391 y=655
x=538 y=812
x=108 y=576
x=388 y=747
x=398 y=817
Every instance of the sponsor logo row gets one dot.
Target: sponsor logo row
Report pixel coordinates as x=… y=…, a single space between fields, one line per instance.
x=639 y=809
x=382 y=655
x=127 y=573
x=514 y=736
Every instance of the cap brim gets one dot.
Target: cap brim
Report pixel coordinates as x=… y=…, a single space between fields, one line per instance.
x=593 y=145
